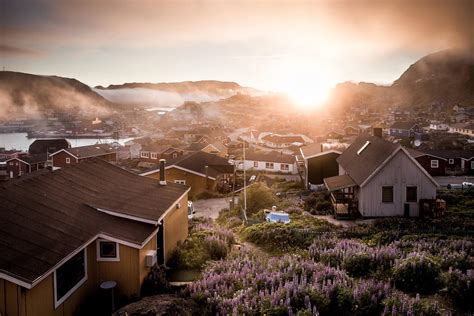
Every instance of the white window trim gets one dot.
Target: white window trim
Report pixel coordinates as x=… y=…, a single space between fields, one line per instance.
x=451 y=161
x=180 y=182
x=117 y=247
x=154 y=156
x=472 y=164
x=434 y=163
x=71 y=291
x=68 y=160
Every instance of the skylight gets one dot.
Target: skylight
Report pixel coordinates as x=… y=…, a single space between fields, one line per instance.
x=363 y=147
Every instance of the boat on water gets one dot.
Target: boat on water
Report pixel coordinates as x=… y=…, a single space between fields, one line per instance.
x=52 y=134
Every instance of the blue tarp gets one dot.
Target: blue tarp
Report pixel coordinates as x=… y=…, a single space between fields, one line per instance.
x=276 y=217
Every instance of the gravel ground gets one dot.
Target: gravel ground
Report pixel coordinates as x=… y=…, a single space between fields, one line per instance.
x=211 y=207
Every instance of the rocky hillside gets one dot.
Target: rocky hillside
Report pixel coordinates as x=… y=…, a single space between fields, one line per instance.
x=29 y=95
x=445 y=77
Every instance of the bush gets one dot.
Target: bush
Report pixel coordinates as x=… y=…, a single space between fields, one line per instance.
x=318 y=203
x=418 y=273
x=207 y=195
x=259 y=196
x=359 y=264
x=229 y=218
x=461 y=289
x=155 y=282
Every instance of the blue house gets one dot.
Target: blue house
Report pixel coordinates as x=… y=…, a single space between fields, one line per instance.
x=407 y=130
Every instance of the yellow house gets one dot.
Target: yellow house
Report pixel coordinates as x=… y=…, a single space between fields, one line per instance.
x=200 y=170
x=64 y=233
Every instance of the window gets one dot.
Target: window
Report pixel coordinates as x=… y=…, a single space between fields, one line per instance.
x=285 y=166
x=412 y=195
x=255 y=164
x=175 y=155
x=451 y=161
x=107 y=250
x=472 y=164
x=68 y=160
x=387 y=194
x=69 y=277
x=144 y=154
x=269 y=165
x=434 y=163
x=154 y=155
x=180 y=181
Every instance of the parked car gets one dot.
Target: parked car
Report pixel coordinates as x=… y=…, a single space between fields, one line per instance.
x=457 y=186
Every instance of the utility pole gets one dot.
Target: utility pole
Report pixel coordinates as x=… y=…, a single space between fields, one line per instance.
x=245 y=184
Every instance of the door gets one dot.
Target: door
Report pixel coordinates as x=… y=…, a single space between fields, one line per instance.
x=406 y=210
x=160 y=244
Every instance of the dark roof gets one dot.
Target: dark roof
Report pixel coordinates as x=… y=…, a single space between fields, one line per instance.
x=339 y=182
x=197 y=162
x=446 y=154
x=43 y=146
x=403 y=125
x=269 y=156
x=91 y=150
x=157 y=148
x=46 y=217
x=361 y=166
x=32 y=159
x=197 y=146
x=284 y=139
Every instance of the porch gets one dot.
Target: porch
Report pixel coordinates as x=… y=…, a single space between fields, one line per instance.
x=343 y=196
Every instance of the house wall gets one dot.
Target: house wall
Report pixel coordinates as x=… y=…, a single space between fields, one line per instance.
x=399 y=172
x=321 y=167
x=59 y=160
x=261 y=166
x=425 y=162
x=129 y=273
x=175 y=227
x=15 y=166
x=469 y=166
x=197 y=183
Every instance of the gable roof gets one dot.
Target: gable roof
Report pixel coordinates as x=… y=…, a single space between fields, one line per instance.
x=360 y=164
x=315 y=150
x=403 y=125
x=445 y=154
x=43 y=146
x=284 y=139
x=196 y=163
x=46 y=217
x=269 y=156
x=88 y=151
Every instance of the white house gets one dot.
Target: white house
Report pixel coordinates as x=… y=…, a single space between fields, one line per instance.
x=284 y=141
x=462 y=128
x=378 y=178
x=268 y=161
x=438 y=126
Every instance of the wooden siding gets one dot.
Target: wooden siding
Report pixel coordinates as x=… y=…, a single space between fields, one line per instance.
x=59 y=160
x=197 y=183
x=425 y=161
x=129 y=273
x=399 y=172
x=176 y=227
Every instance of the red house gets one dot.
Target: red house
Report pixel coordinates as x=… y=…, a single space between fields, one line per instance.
x=23 y=164
x=69 y=156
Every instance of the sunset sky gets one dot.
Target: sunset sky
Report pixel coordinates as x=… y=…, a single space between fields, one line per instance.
x=269 y=45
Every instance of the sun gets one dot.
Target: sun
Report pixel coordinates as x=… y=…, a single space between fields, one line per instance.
x=306 y=96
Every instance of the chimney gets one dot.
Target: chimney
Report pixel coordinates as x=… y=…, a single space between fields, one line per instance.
x=162 y=172
x=377 y=132
x=322 y=147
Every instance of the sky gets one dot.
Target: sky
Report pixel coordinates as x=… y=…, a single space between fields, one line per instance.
x=269 y=45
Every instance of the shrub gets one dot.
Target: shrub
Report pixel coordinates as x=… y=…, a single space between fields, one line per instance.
x=155 y=282
x=204 y=195
x=318 y=203
x=402 y=304
x=418 y=273
x=358 y=264
x=259 y=196
x=461 y=289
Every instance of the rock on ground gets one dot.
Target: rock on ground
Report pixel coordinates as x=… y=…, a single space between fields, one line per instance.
x=164 y=304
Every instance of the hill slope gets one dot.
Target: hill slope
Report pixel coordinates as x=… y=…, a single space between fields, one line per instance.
x=445 y=77
x=23 y=94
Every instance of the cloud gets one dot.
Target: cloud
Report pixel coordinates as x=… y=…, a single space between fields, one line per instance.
x=12 y=51
x=153 y=98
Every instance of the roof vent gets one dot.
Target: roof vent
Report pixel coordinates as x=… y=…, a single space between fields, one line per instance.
x=363 y=147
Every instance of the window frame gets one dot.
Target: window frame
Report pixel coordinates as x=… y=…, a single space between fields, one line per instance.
x=57 y=302
x=451 y=161
x=154 y=155
x=99 y=255
x=269 y=165
x=285 y=167
x=416 y=193
x=434 y=163
x=144 y=154
x=68 y=160
x=472 y=164
x=387 y=187
x=255 y=164
x=178 y=181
